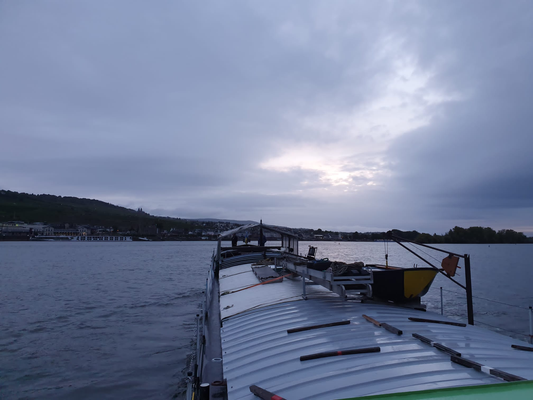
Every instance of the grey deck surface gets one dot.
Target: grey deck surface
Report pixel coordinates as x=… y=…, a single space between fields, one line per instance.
x=257 y=350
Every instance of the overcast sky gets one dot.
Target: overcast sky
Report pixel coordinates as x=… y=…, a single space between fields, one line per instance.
x=344 y=115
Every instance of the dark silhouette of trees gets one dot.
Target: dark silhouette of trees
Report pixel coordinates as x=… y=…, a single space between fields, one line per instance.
x=475 y=234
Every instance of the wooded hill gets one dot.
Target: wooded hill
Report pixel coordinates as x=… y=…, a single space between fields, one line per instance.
x=52 y=209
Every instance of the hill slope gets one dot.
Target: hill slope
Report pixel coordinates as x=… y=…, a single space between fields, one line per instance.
x=72 y=210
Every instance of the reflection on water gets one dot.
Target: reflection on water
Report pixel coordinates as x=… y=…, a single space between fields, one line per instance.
x=117 y=320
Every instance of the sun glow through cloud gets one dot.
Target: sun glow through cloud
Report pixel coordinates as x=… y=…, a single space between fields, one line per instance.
x=351 y=154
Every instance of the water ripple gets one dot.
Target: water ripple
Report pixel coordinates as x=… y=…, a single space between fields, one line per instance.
x=90 y=321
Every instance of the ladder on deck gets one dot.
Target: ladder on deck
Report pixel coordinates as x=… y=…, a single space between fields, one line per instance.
x=334 y=283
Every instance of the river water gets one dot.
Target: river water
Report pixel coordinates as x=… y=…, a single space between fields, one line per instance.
x=117 y=320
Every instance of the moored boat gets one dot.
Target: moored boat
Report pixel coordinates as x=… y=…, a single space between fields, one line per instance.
x=51 y=238
x=62 y=238
x=312 y=333
x=102 y=238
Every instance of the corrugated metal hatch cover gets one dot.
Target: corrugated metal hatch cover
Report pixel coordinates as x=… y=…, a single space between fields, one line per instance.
x=257 y=350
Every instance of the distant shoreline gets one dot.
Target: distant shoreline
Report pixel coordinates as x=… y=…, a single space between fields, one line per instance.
x=158 y=240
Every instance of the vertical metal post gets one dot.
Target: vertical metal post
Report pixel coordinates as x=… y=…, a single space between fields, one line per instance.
x=469 y=302
x=218 y=260
x=260 y=241
x=304 y=295
x=441 y=303
x=531 y=324
x=204 y=391
x=189 y=385
x=195 y=373
x=197 y=338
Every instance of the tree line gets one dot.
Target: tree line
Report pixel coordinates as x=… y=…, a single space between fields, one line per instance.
x=474 y=234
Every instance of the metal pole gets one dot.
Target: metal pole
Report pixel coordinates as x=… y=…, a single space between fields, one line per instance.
x=218 y=260
x=441 y=303
x=468 y=279
x=531 y=324
x=197 y=338
x=304 y=295
x=189 y=385
x=428 y=263
x=397 y=238
x=204 y=391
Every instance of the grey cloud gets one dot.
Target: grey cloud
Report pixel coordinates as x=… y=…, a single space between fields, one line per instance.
x=475 y=153
x=176 y=105
x=126 y=175
x=240 y=205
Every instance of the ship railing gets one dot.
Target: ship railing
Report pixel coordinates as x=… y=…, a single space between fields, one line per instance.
x=327 y=279
x=529 y=309
x=248 y=258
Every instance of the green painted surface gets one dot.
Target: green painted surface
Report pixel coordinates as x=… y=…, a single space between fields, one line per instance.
x=522 y=390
